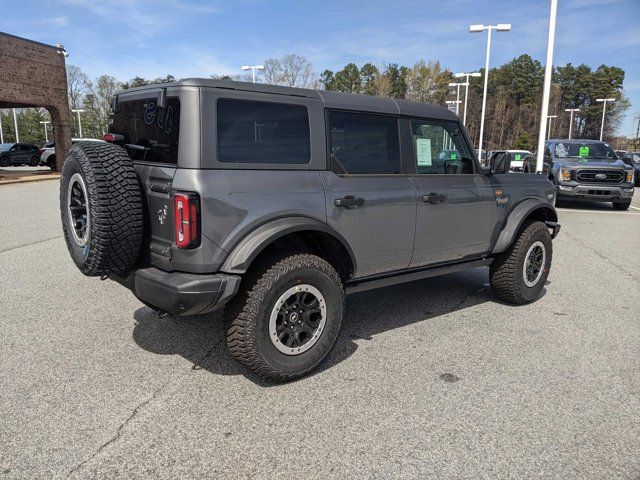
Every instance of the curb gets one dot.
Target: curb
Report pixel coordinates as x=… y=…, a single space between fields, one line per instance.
x=33 y=178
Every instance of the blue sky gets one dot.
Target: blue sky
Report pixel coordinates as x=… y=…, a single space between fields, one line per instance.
x=198 y=38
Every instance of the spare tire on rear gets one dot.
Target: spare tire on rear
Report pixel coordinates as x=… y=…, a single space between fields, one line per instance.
x=102 y=208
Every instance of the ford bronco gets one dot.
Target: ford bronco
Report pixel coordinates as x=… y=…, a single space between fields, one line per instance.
x=276 y=202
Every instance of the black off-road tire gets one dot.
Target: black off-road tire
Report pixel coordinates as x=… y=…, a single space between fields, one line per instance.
x=247 y=315
x=506 y=271
x=624 y=205
x=51 y=163
x=5 y=161
x=115 y=208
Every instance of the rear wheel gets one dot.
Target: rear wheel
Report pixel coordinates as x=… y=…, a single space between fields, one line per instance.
x=519 y=274
x=51 y=163
x=35 y=161
x=622 y=205
x=286 y=317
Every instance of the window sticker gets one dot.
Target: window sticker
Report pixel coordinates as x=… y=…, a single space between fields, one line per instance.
x=423 y=152
x=561 y=150
x=453 y=156
x=584 y=151
x=518 y=156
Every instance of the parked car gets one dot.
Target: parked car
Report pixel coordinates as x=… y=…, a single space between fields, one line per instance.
x=18 y=154
x=588 y=170
x=277 y=201
x=48 y=152
x=635 y=163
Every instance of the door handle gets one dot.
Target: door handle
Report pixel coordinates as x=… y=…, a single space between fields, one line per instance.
x=349 y=201
x=434 y=198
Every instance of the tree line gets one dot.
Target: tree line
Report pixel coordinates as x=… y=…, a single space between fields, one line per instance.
x=513 y=102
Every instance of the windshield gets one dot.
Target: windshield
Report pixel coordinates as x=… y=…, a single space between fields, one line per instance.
x=635 y=157
x=584 y=152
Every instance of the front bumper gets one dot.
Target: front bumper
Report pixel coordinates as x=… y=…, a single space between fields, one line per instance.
x=180 y=293
x=595 y=193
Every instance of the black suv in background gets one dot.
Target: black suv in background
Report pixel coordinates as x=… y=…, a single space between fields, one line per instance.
x=17 y=154
x=587 y=170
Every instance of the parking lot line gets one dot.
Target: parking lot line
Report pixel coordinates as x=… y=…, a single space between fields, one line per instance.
x=635 y=208
x=597 y=211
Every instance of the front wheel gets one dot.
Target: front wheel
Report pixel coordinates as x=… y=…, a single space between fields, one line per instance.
x=286 y=317
x=519 y=274
x=5 y=161
x=624 y=205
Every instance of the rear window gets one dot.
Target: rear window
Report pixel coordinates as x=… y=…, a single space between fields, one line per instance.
x=150 y=133
x=262 y=132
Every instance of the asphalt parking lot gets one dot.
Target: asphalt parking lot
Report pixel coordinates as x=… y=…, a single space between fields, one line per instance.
x=432 y=379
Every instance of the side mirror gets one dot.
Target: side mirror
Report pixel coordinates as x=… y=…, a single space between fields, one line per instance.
x=500 y=163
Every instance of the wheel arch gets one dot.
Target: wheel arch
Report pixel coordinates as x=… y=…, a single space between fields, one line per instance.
x=530 y=209
x=299 y=233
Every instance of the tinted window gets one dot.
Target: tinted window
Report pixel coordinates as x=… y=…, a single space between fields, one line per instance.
x=262 y=132
x=150 y=133
x=363 y=143
x=584 y=151
x=439 y=148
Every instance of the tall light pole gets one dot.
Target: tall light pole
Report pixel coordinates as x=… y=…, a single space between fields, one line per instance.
x=253 y=69
x=546 y=90
x=501 y=27
x=1 y=134
x=15 y=124
x=79 y=111
x=604 y=110
x=454 y=102
x=466 y=91
x=572 y=110
x=46 y=135
x=549 y=117
x=457 y=85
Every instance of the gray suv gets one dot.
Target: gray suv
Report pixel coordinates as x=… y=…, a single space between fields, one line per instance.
x=277 y=201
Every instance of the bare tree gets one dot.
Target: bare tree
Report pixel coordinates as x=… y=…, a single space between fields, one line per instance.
x=291 y=70
x=78 y=85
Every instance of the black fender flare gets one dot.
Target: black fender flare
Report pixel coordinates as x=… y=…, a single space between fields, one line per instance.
x=246 y=251
x=517 y=217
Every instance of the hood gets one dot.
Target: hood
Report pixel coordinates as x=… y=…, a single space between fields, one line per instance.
x=576 y=163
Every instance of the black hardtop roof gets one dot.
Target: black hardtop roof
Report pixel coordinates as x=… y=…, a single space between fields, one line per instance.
x=581 y=141
x=346 y=101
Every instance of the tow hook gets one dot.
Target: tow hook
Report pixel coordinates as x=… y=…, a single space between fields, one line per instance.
x=555 y=228
x=162 y=314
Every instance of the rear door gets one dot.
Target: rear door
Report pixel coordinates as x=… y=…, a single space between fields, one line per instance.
x=456 y=205
x=369 y=200
x=150 y=129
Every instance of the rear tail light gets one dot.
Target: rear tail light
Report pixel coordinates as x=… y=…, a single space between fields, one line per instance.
x=186 y=215
x=41 y=151
x=113 y=137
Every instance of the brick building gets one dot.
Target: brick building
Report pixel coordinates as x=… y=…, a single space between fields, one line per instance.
x=33 y=74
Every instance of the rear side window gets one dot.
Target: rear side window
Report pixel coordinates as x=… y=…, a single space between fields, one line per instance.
x=364 y=143
x=150 y=132
x=262 y=132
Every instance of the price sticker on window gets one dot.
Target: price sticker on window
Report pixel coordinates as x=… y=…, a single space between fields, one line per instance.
x=423 y=152
x=584 y=151
x=453 y=156
x=518 y=156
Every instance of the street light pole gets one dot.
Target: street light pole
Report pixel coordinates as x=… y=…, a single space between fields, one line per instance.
x=548 y=70
x=253 y=69
x=79 y=111
x=549 y=118
x=572 y=110
x=46 y=135
x=466 y=91
x=604 y=110
x=1 y=134
x=15 y=124
x=501 y=27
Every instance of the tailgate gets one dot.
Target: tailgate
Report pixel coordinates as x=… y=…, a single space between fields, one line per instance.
x=156 y=185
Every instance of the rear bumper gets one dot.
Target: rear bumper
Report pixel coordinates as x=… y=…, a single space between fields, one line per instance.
x=181 y=293
x=595 y=193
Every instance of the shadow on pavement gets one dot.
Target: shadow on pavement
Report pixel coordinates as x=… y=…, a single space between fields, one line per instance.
x=201 y=340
